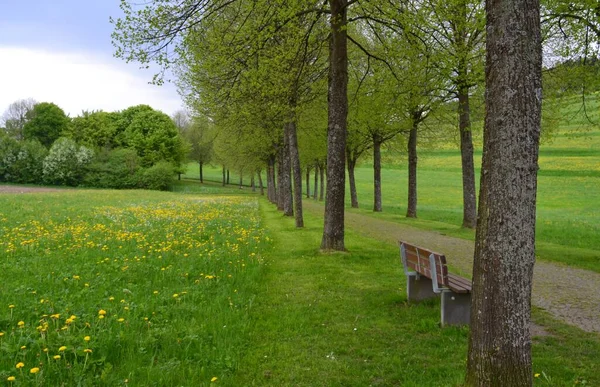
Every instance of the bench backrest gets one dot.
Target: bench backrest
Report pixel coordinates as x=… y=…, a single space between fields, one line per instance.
x=425 y=262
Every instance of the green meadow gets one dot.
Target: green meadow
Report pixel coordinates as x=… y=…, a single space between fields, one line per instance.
x=568 y=222
x=214 y=287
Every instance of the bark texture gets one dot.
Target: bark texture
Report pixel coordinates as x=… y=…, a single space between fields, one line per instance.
x=224 y=177
x=271 y=185
x=411 y=211
x=280 y=179
x=377 y=207
x=294 y=156
x=260 y=183
x=500 y=342
x=308 y=182
x=468 y=166
x=322 y=182
x=351 y=161
x=316 y=185
x=333 y=230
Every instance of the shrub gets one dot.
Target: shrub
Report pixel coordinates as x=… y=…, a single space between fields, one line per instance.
x=159 y=177
x=28 y=167
x=66 y=162
x=114 y=169
x=9 y=149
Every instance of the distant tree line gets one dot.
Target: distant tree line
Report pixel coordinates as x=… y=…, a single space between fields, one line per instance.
x=138 y=147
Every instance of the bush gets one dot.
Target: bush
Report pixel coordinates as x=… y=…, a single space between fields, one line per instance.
x=159 y=177
x=28 y=167
x=66 y=162
x=114 y=169
x=9 y=150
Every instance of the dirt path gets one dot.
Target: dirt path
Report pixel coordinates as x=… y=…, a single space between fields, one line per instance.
x=571 y=295
x=15 y=189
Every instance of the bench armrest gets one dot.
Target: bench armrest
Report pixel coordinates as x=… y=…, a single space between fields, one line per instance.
x=408 y=273
x=434 y=274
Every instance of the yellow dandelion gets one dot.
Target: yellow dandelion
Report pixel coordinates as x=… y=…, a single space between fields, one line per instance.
x=56 y=357
x=61 y=349
x=21 y=324
x=34 y=370
x=537 y=375
x=11 y=378
x=155 y=292
x=55 y=316
x=87 y=350
x=101 y=312
x=45 y=349
x=23 y=347
x=175 y=295
x=111 y=298
x=214 y=379
x=121 y=319
x=101 y=316
x=76 y=277
x=11 y=306
x=20 y=365
x=1 y=334
x=87 y=338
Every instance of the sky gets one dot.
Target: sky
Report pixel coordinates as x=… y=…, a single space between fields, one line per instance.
x=60 y=51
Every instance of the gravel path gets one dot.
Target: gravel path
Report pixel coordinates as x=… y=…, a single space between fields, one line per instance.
x=570 y=294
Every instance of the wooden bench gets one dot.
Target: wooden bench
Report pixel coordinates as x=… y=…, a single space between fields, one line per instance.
x=427 y=277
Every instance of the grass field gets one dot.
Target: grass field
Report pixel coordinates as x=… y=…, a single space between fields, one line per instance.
x=162 y=289
x=568 y=189
x=110 y=288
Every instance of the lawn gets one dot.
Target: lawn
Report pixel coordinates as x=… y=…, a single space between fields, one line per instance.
x=157 y=289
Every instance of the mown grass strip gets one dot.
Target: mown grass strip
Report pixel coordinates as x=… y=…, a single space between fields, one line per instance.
x=342 y=320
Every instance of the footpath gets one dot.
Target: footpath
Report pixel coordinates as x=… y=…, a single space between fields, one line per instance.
x=571 y=295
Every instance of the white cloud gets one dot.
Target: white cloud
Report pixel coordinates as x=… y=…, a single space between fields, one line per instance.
x=79 y=81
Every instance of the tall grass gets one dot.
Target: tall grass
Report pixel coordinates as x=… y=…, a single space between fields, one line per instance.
x=109 y=288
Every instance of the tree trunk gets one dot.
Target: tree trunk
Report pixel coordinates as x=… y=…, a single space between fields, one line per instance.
x=252 y=183
x=308 y=182
x=201 y=172
x=280 y=179
x=227 y=176
x=411 y=211
x=271 y=184
x=322 y=178
x=224 y=177
x=333 y=230
x=316 y=182
x=500 y=343
x=294 y=156
x=241 y=181
x=260 y=183
x=351 y=161
x=468 y=167
x=179 y=176
x=377 y=174
x=286 y=178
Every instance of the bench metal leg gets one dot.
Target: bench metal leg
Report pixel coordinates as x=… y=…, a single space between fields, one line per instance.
x=456 y=308
x=419 y=288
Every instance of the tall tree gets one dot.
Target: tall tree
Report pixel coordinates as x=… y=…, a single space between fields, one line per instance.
x=15 y=117
x=46 y=123
x=500 y=342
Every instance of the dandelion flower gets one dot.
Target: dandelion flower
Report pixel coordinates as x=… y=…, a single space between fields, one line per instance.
x=101 y=312
x=175 y=295
x=61 y=349
x=11 y=378
x=101 y=316
x=23 y=347
x=21 y=324
x=87 y=350
x=111 y=298
x=121 y=319
x=34 y=370
x=537 y=375
x=155 y=292
x=1 y=334
x=87 y=338
x=214 y=379
x=56 y=357
x=20 y=365
x=11 y=306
